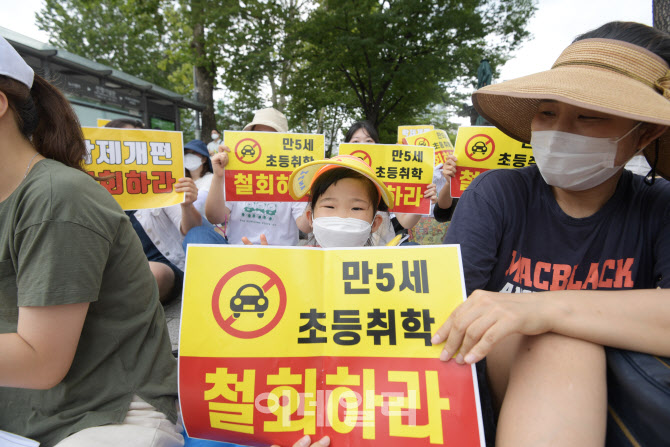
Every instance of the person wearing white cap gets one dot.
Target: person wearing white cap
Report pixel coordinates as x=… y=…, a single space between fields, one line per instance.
x=85 y=355
x=584 y=358
x=274 y=223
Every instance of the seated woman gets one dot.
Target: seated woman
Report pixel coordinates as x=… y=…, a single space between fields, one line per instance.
x=85 y=356
x=583 y=360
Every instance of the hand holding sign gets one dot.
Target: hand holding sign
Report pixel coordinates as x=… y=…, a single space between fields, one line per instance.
x=220 y=160
x=305 y=442
x=449 y=168
x=186 y=185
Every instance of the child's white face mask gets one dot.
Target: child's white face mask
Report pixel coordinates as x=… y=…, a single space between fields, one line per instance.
x=341 y=231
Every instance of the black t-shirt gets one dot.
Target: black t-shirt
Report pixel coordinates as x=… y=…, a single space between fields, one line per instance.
x=514 y=237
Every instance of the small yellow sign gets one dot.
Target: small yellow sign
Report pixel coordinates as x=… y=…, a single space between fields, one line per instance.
x=481 y=148
x=260 y=163
x=438 y=139
x=138 y=167
x=410 y=131
x=405 y=170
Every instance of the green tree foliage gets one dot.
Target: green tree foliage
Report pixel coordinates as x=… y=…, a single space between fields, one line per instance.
x=129 y=35
x=395 y=58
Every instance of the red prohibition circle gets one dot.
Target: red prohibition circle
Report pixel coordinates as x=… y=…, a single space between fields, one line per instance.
x=227 y=323
x=469 y=154
x=421 y=142
x=243 y=143
x=363 y=156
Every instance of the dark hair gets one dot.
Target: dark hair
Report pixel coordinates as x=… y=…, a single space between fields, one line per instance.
x=215 y=130
x=654 y=40
x=120 y=123
x=365 y=125
x=44 y=117
x=332 y=176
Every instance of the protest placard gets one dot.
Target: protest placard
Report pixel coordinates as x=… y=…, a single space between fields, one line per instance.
x=480 y=148
x=405 y=170
x=438 y=139
x=138 y=167
x=260 y=163
x=278 y=343
x=410 y=131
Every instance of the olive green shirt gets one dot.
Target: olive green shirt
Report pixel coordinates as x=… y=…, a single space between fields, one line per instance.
x=63 y=240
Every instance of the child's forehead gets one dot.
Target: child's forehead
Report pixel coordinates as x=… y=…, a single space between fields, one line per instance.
x=347 y=188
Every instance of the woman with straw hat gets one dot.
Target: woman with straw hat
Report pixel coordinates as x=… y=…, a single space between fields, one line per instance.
x=584 y=360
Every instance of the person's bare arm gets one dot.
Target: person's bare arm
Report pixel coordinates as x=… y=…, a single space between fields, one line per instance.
x=216 y=210
x=40 y=353
x=636 y=320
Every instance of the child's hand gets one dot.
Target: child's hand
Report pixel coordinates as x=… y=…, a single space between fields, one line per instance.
x=220 y=160
x=431 y=193
x=187 y=186
x=305 y=442
x=246 y=241
x=449 y=168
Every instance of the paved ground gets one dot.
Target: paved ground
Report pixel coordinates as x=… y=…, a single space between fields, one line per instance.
x=173 y=316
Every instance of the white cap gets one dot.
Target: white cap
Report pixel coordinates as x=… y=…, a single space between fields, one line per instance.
x=12 y=65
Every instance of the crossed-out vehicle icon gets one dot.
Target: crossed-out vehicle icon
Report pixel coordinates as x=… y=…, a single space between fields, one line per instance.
x=246 y=301
x=248 y=150
x=479 y=146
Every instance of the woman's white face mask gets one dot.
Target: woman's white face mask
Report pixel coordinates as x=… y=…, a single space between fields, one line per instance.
x=341 y=231
x=192 y=162
x=575 y=162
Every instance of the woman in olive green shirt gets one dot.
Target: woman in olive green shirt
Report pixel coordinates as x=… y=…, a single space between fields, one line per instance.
x=83 y=339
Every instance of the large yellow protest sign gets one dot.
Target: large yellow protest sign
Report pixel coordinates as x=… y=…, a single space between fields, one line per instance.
x=438 y=139
x=481 y=148
x=405 y=170
x=410 y=131
x=277 y=343
x=261 y=163
x=138 y=167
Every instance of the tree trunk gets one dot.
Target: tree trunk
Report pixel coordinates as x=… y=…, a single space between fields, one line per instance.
x=661 y=12
x=205 y=76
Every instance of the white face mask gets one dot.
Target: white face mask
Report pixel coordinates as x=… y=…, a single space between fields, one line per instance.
x=575 y=162
x=192 y=162
x=341 y=231
x=215 y=136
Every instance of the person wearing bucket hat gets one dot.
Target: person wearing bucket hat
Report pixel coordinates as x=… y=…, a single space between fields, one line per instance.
x=572 y=365
x=276 y=223
x=85 y=353
x=268 y=120
x=345 y=198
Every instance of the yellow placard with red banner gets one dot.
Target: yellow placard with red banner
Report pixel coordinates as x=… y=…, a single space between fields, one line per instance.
x=278 y=343
x=480 y=148
x=437 y=138
x=410 y=131
x=138 y=167
x=260 y=163
x=405 y=170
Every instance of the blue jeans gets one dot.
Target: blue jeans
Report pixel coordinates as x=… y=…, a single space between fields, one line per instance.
x=204 y=234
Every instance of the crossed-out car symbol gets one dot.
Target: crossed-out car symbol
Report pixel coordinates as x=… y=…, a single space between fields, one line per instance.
x=244 y=301
x=248 y=150
x=479 y=146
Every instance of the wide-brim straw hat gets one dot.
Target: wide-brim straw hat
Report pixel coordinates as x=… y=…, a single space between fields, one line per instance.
x=604 y=75
x=269 y=117
x=301 y=179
